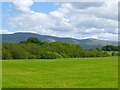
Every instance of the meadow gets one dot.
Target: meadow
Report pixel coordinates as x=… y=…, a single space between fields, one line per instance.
x=99 y=72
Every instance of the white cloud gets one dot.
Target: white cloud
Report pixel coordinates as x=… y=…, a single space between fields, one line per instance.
x=84 y=5
x=108 y=36
x=94 y=20
x=25 y=31
x=38 y=22
x=106 y=11
x=23 y=5
x=5 y=32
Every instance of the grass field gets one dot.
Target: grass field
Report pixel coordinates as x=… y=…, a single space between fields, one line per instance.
x=61 y=73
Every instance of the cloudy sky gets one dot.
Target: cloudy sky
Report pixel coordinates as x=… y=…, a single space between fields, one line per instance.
x=77 y=20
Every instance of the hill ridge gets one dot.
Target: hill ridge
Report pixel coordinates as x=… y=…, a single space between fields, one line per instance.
x=88 y=43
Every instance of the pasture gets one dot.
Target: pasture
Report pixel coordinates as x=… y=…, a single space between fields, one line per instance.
x=61 y=73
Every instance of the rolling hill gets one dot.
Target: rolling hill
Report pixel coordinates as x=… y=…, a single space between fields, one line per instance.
x=85 y=43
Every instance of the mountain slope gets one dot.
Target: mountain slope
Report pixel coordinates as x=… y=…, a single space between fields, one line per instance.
x=85 y=43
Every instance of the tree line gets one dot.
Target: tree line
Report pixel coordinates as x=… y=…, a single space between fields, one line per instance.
x=33 y=48
x=114 y=50
x=111 y=48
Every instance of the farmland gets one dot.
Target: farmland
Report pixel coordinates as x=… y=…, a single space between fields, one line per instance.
x=99 y=72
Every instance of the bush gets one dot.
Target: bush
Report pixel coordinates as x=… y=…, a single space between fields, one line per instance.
x=6 y=54
x=93 y=53
x=64 y=55
x=30 y=56
x=16 y=51
x=115 y=53
x=50 y=55
x=33 y=48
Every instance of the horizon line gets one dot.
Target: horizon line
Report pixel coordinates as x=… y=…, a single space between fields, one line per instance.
x=58 y=36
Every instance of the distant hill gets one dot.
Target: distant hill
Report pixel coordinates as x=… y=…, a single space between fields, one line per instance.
x=85 y=43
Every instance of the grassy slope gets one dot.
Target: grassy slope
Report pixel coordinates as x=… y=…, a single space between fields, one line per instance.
x=68 y=73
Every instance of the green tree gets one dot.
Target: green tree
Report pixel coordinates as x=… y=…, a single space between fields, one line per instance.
x=50 y=55
x=34 y=40
x=98 y=49
x=16 y=51
x=6 y=54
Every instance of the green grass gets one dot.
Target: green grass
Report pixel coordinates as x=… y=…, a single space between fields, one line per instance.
x=61 y=73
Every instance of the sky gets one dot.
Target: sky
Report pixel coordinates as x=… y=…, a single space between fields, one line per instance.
x=80 y=20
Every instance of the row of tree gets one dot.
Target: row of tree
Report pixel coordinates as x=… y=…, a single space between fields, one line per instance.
x=111 y=48
x=33 y=48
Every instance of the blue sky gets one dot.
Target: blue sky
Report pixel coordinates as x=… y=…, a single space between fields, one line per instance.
x=44 y=7
x=76 y=20
x=8 y=10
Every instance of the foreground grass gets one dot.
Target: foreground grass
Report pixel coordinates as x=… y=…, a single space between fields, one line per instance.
x=61 y=73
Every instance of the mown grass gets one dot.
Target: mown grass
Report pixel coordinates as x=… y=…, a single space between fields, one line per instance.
x=61 y=73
